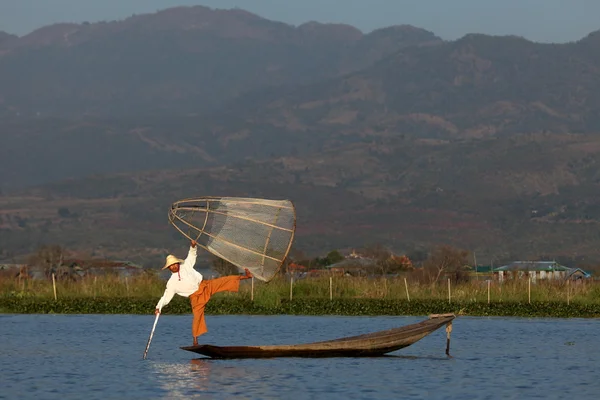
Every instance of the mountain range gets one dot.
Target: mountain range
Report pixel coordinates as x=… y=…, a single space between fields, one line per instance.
x=184 y=60
x=396 y=136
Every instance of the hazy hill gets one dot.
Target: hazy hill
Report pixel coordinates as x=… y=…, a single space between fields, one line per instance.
x=5 y=37
x=183 y=60
x=489 y=143
x=505 y=197
x=476 y=86
x=40 y=150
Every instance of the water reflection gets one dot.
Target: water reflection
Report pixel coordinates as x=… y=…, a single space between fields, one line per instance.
x=200 y=367
x=222 y=378
x=268 y=378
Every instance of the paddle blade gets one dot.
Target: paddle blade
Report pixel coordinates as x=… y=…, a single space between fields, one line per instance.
x=151 y=334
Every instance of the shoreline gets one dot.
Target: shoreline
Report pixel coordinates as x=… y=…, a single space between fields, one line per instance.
x=338 y=307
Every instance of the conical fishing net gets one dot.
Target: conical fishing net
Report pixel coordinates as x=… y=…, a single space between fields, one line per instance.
x=250 y=233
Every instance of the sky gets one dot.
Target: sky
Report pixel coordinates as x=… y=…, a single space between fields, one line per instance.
x=537 y=20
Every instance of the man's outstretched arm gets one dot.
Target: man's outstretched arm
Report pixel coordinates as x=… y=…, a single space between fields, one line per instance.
x=164 y=300
x=190 y=260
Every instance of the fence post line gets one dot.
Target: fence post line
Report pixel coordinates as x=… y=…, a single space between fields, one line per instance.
x=54 y=286
x=406 y=286
x=252 y=290
x=488 y=282
x=384 y=288
x=449 y=297
x=568 y=291
x=291 y=286
x=330 y=288
x=529 y=289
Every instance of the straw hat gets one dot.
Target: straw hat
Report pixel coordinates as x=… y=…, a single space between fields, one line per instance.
x=171 y=259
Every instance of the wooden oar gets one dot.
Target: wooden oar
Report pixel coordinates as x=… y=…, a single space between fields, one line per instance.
x=151 y=334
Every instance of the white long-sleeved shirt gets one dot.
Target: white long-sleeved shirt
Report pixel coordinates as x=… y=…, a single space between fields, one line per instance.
x=185 y=282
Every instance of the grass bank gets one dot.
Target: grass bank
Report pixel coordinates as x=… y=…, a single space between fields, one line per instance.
x=350 y=307
x=319 y=296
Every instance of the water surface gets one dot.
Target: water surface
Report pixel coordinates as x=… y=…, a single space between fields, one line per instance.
x=100 y=357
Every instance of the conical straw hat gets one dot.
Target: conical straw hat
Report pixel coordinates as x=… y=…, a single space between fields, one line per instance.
x=171 y=259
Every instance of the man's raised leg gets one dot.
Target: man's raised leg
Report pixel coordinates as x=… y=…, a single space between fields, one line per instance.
x=209 y=287
x=230 y=283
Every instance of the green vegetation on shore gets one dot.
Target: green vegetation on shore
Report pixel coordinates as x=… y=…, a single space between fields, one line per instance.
x=348 y=296
x=348 y=307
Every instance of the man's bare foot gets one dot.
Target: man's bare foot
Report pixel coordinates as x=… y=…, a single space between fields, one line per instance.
x=195 y=342
x=248 y=274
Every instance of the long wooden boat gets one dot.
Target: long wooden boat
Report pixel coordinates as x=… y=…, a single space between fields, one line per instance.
x=366 y=345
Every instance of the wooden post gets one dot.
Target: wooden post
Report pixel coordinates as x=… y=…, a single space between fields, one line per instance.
x=95 y=287
x=489 y=291
x=406 y=286
x=291 y=286
x=568 y=291
x=384 y=287
x=54 y=286
x=252 y=290
x=448 y=331
x=330 y=288
x=529 y=289
x=127 y=286
x=449 y=297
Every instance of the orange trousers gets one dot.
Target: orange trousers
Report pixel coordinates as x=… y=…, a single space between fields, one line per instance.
x=200 y=297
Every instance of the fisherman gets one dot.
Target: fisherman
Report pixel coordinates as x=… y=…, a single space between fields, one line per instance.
x=187 y=282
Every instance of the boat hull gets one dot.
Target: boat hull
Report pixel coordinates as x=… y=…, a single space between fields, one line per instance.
x=367 y=345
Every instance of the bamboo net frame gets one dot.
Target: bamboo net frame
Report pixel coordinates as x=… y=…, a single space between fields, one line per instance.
x=248 y=232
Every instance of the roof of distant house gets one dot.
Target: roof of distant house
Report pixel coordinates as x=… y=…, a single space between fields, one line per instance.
x=532 y=266
x=353 y=262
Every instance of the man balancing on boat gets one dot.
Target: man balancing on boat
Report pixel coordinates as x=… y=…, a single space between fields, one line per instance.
x=187 y=282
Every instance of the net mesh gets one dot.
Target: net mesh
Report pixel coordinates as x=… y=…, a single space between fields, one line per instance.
x=249 y=233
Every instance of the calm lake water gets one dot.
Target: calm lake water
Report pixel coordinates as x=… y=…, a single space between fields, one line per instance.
x=100 y=357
